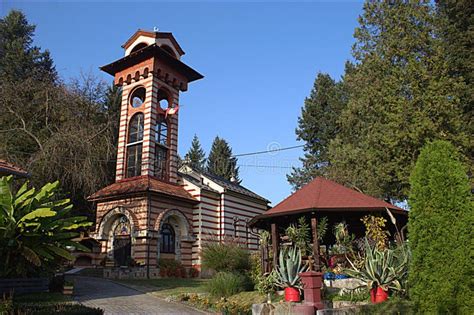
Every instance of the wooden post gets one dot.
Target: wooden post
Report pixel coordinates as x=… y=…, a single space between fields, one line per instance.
x=314 y=230
x=275 y=244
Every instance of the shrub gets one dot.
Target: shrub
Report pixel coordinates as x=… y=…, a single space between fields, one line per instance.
x=225 y=284
x=57 y=308
x=36 y=229
x=171 y=268
x=440 y=232
x=225 y=257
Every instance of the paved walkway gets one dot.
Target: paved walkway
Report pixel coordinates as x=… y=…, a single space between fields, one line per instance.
x=114 y=299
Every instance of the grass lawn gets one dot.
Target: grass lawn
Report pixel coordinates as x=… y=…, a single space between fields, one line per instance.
x=169 y=286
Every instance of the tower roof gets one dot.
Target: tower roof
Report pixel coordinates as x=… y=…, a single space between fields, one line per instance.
x=152 y=51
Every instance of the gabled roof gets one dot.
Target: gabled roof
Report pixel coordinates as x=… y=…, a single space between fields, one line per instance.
x=226 y=184
x=142 y=184
x=7 y=168
x=324 y=194
x=153 y=35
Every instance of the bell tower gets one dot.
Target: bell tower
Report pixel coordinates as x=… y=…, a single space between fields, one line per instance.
x=151 y=76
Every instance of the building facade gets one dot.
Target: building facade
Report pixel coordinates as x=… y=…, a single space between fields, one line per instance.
x=152 y=210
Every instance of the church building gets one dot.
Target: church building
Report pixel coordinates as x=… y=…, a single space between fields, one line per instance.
x=155 y=210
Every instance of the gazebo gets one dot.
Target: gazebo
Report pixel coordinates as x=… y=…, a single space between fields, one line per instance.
x=325 y=198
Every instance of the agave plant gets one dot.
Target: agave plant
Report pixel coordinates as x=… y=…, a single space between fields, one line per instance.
x=35 y=229
x=290 y=265
x=385 y=268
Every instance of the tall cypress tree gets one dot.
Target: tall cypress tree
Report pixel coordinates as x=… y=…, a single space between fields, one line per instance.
x=317 y=126
x=440 y=232
x=196 y=157
x=400 y=94
x=220 y=161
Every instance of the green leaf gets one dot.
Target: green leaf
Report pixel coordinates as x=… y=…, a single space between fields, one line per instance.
x=30 y=255
x=61 y=252
x=6 y=198
x=38 y=213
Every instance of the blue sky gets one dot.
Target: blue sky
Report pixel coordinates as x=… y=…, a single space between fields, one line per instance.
x=259 y=61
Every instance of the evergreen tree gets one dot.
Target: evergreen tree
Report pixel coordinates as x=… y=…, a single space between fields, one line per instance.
x=317 y=126
x=456 y=21
x=18 y=58
x=400 y=94
x=220 y=161
x=196 y=157
x=440 y=232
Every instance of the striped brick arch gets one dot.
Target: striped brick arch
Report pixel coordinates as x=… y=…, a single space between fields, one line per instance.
x=184 y=224
x=111 y=216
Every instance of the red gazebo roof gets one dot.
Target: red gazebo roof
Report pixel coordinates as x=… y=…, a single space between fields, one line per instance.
x=324 y=194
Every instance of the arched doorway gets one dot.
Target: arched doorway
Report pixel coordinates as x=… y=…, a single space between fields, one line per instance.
x=122 y=242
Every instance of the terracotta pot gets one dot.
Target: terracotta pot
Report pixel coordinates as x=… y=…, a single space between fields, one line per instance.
x=372 y=295
x=292 y=295
x=381 y=295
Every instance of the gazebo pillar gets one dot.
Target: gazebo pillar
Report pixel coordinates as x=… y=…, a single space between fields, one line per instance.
x=314 y=230
x=275 y=244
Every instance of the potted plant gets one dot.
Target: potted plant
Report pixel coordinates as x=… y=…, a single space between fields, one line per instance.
x=288 y=270
x=68 y=288
x=382 y=270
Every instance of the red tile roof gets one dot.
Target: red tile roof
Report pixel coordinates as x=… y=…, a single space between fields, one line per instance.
x=141 y=184
x=7 y=168
x=324 y=194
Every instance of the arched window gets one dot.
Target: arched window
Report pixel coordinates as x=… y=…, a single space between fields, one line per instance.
x=161 y=147
x=138 y=95
x=138 y=47
x=134 y=145
x=161 y=131
x=167 y=239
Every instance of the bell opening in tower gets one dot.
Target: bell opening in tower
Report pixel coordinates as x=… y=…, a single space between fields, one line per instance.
x=135 y=146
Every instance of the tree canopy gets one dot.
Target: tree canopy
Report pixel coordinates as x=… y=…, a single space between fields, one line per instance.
x=52 y=129
x=398 y=93
x=221 y=162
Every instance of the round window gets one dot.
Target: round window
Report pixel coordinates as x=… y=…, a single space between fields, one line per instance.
x=138 y=97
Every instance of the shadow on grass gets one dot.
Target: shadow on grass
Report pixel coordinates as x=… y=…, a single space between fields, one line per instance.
x=168 y=286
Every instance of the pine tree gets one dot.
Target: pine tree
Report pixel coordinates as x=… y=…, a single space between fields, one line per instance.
x=18 y=58
x=440 y=232
x=220 y=161
x=400 y=94
x=196 y=157
x=317 y=126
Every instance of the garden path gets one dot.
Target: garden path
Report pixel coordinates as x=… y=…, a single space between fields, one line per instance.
x=114 y=298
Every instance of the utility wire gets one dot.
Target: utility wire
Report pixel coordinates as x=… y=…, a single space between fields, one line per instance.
x=269 y=151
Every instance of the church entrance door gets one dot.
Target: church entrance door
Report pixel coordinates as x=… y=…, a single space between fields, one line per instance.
x=122 y=250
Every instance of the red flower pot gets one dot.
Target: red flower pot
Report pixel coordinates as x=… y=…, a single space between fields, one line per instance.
x=378 y=295
x=372 y=295
x=292 y=295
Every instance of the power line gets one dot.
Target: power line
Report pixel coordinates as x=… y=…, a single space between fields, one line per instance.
x=269 y=151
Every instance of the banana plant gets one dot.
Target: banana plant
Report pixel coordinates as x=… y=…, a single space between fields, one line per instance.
x=36 y=229
x=289 y=267
x=386 y=268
